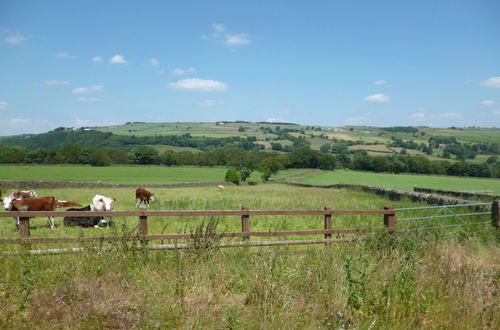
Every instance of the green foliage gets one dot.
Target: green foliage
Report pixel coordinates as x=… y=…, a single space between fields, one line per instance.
x=100 y=158
x=270 y=166
x=144 y=156
x=232 y=175
x=12 y=155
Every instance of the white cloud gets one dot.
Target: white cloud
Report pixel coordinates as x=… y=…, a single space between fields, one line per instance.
x=488 y=102
x=380 y=82
x=94 y=88
x=154 y=61
x=492 y=82
x=237 y=39
x=97 y=59
x=447 y=115
x=88 y=99
x=15 y=38
x=209 y=103
x=219 y=27
x=196 y=84
x=19 y=121
x=417 y=116
x=180 y=72
x=65 y=55
x=377 y=98
x=56 y=82
x=356 y=120
x=220 y=34
x=118 y=59
x=3 y=105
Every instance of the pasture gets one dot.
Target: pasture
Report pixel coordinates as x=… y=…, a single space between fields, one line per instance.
x=125 y=174
x=412 y=279
x=403 y=181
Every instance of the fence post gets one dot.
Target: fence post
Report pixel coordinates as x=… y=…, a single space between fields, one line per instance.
x=245 y=223
x=495 y=215
x=143 y=228
x=24 y=227
x=328 y=223
x=390 y=220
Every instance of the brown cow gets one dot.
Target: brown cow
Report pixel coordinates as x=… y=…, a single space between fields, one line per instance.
x=143 y=195
x=46 y=203
x=67 y=203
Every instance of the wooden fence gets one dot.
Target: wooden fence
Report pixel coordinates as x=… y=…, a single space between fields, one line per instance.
x=389 y=224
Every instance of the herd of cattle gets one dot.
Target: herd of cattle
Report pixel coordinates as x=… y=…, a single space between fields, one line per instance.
x=18 y=200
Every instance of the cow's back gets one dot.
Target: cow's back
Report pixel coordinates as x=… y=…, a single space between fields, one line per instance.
x=45 y=203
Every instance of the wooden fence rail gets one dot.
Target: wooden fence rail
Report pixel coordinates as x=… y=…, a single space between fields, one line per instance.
x=389 y=224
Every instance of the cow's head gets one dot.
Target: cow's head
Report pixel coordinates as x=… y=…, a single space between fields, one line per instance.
x=33 y=193
x=107 y=203
x=153 y=197
x=7 y=203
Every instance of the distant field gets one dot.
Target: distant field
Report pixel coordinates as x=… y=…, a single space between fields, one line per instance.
x=125 y=174
x=405 y=181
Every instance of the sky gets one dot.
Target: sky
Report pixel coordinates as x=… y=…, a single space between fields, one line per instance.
x=327 y=63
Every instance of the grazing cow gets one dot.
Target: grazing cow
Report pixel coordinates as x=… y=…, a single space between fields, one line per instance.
x=143 y=196
x=22 y=194
x=103 y=203
x=47 y=203
x=67 y=203
x=83 y=221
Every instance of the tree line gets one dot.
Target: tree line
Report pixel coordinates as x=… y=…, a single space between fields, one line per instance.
x=248 y=161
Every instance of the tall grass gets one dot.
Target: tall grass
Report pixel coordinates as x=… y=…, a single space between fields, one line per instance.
x=406 y=280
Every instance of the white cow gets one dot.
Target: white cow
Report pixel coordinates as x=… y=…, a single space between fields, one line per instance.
x=103 y=203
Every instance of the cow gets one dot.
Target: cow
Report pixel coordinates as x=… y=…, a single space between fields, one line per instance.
x=83 y=221
x=102 y=203
x=67 y=203
x=20 y=194
x=46 y=203
x=143 y=196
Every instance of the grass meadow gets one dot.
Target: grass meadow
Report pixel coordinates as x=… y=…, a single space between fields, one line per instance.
x=418 y=279
x=140 y=175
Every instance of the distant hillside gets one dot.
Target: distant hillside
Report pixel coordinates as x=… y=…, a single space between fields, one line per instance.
x=434 y=143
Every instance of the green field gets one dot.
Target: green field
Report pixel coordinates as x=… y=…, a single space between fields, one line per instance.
x=125 y=174
x=408 y=280
x=405 y=181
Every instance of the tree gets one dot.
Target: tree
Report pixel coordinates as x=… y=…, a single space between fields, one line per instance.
x=269 y=167
x=100 y=158
x=233 y=176
x=11 y=155
x=144 y=155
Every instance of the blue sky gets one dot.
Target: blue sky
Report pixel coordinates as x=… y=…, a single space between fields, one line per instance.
x=330 y=63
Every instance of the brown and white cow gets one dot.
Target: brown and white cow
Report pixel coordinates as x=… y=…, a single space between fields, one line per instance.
x=143 y=196
x=22 y=194
x=46 y=203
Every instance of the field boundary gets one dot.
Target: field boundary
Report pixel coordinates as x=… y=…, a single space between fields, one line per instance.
x=21 y=184
x=202 y=237
x=393 y=193
x=455 y=193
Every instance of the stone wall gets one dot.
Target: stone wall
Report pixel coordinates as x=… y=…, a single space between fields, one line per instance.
x=461 y=194
x=397 y=194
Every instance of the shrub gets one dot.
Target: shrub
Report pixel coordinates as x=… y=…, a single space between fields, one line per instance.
x=232 y=175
